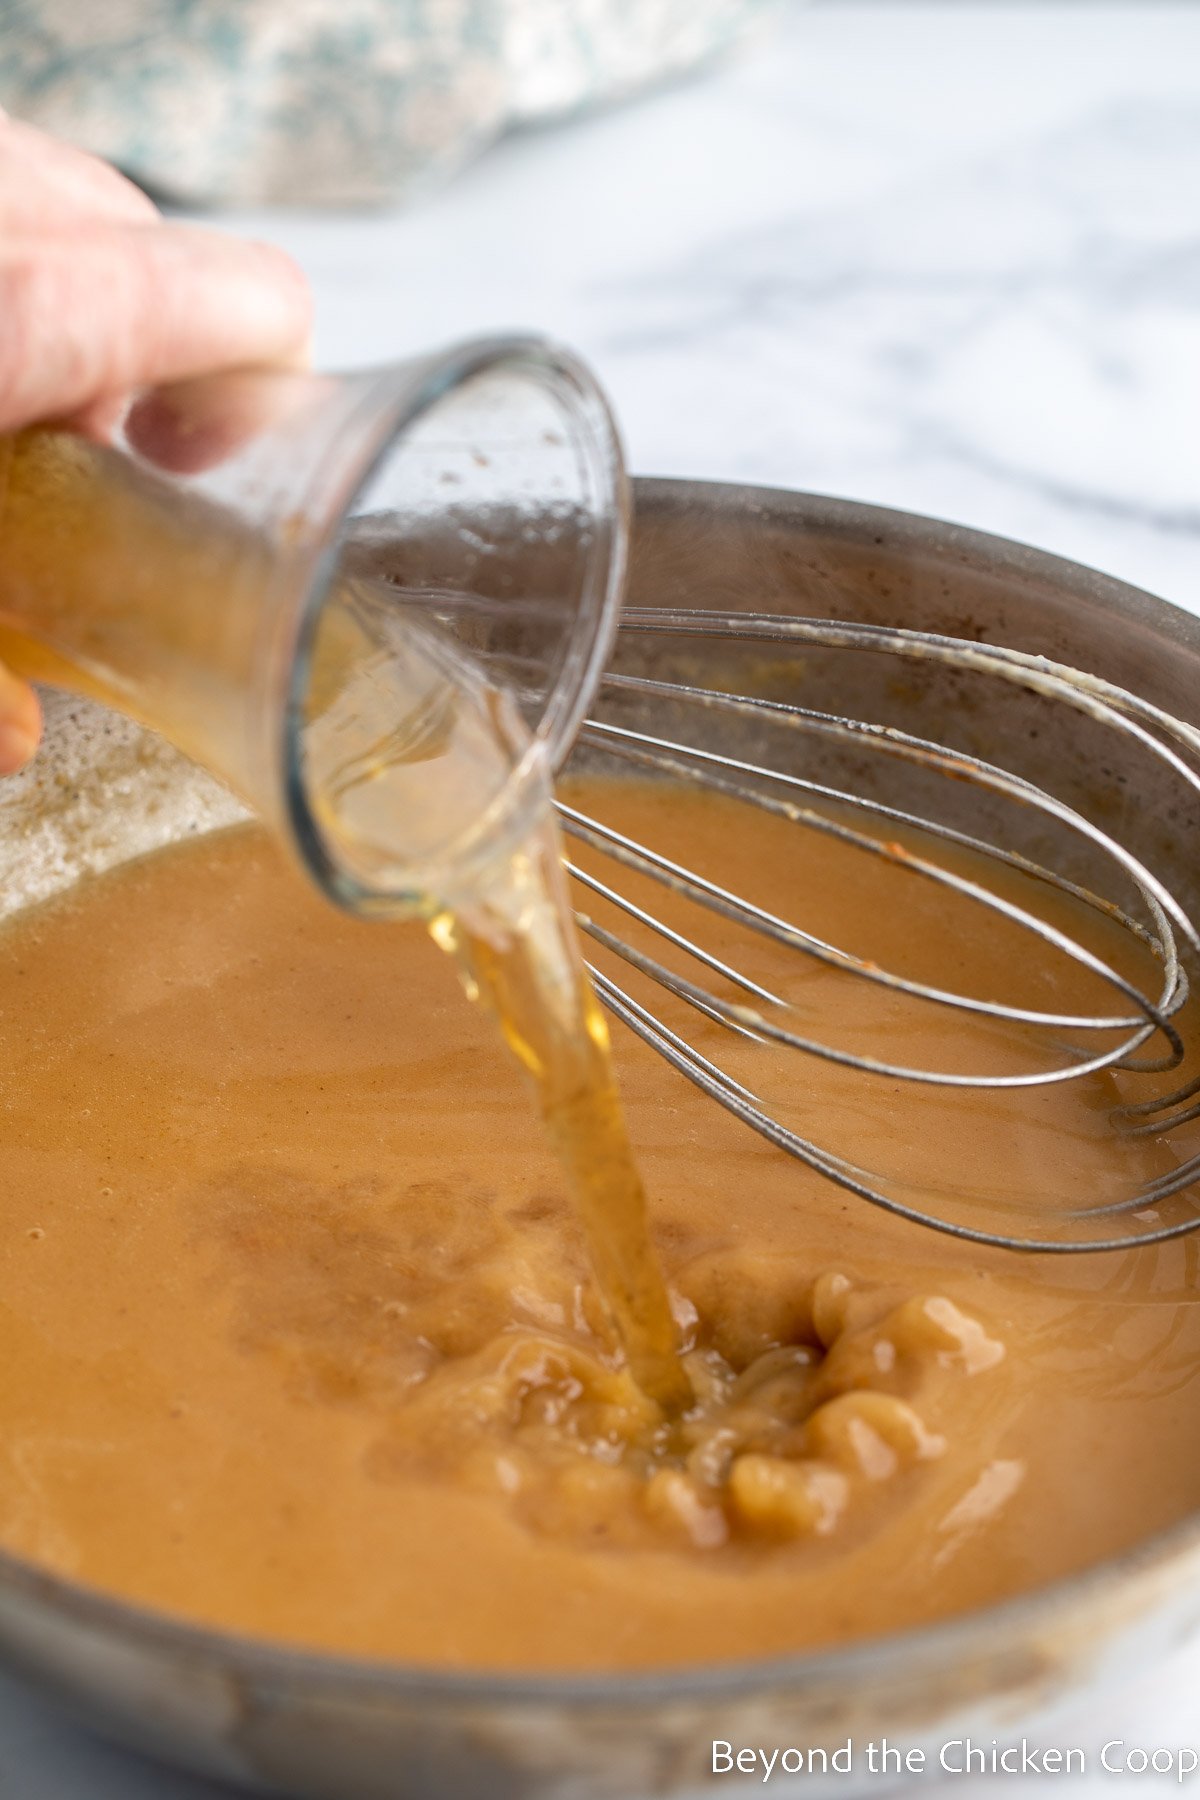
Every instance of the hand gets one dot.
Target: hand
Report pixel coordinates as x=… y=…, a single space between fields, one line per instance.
x=99 y=296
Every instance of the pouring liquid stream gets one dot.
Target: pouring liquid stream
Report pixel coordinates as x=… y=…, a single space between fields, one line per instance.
x=406 y=745
x=509 y=927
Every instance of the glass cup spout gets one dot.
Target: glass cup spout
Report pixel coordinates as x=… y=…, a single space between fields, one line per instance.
x=310 y=582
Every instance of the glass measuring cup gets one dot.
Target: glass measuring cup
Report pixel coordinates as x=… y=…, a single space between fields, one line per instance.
x=461 y=517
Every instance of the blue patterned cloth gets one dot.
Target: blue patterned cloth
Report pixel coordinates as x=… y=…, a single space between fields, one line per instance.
x=329 y=102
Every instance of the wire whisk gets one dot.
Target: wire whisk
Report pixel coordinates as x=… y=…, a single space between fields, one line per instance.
x=715 y=740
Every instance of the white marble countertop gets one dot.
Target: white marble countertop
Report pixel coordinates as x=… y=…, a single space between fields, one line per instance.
x=941 y=256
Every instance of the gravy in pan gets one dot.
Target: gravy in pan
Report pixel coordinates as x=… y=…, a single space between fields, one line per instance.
x=298 y=1335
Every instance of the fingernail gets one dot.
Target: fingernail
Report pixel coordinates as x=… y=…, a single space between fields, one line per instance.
x=16 y=747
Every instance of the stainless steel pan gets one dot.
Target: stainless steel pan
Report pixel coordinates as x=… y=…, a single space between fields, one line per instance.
x=302 y=1724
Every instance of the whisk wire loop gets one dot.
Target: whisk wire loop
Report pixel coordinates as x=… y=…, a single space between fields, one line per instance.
x=749 y=1010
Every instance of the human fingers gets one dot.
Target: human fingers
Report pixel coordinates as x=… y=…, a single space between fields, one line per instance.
x=97 y=312
x=46 y=184
x=193 y=425
x=20 y=722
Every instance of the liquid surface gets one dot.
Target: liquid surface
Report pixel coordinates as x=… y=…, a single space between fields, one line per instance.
x=298 y=1334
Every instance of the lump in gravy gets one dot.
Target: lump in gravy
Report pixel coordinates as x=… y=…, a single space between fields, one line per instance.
x=298 y=1336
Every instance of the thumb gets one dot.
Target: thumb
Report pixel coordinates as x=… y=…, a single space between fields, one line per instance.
x=102 y=311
